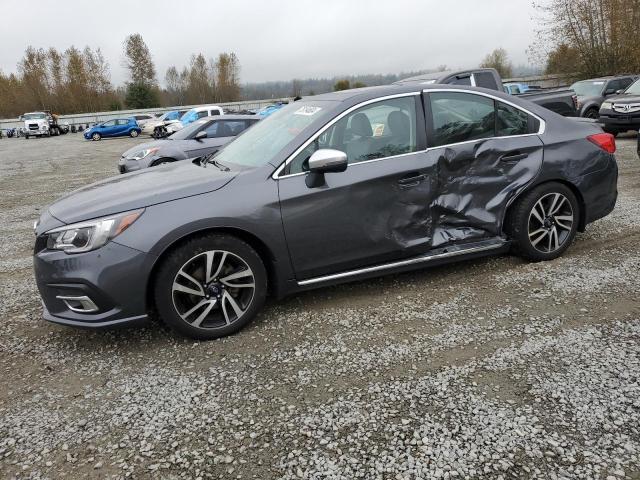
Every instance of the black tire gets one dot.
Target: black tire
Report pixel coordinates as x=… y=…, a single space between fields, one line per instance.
x=96 y=137
x=26 y=137
x=528 y=233
x=187 y=256
x=134 y=133
x=593 y=113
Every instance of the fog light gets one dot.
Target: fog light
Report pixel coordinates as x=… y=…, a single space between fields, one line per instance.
x=82 y=304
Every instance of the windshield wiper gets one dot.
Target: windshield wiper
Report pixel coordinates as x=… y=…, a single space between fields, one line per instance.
x=207 y=159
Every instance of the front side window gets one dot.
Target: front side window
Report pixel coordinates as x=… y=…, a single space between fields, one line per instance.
x=485 y=80
x=460 y=117
x=460 y=81
x=110 y=123
x=203 y=114
x=382 y=129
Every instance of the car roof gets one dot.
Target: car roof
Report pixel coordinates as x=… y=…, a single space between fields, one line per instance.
x=236 y=117
x=610 y=77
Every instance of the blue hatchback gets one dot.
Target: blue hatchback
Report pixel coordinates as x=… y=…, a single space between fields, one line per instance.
x=119 y=127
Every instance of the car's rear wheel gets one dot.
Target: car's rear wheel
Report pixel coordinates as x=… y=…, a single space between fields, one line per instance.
x=96 y=136
x=134 y=133
x=210 y=287
x=543 y=223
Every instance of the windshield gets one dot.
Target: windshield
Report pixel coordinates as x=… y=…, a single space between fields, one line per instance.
x=187 y=131
x=588 y=88
x=634 y=89
x=33 y=116
x=189 y=117
x=259 y=145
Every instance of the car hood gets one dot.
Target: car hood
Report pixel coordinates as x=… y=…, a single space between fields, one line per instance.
x=138 y=190
x=624 y=99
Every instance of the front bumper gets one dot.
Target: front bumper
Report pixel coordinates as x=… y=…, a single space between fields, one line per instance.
x=620 y=122
x=126 y=165
x=113 y=277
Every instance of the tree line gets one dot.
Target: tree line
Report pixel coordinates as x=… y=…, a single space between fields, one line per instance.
x=79 y=81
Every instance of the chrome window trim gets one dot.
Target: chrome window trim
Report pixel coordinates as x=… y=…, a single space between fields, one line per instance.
x=541 y=130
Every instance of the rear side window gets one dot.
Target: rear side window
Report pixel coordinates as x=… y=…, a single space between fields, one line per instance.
x=214 y=112
x=511 y=121
x=460 y=117
x=203 y=114
x=463 y=117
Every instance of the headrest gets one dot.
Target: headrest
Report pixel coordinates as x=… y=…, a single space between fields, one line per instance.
x=360 y=125
x=398 y=122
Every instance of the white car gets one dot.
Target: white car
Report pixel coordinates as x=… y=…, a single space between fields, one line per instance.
x=144 y=118
x=163 y=120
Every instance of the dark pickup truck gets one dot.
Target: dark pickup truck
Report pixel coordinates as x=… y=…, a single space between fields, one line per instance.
x=560 y=100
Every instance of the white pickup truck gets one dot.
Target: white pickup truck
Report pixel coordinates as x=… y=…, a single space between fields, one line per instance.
x=42 y=124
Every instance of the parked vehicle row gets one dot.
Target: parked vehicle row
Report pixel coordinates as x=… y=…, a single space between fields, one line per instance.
x=333 y=188
x=561 y=100
x=200 y=138
x=593 y=92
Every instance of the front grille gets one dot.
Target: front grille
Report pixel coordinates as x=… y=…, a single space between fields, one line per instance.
x=33 y=126
x=627 y=108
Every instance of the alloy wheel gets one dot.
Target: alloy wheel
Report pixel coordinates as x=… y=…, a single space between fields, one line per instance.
x=213 y=289
x=550 y=222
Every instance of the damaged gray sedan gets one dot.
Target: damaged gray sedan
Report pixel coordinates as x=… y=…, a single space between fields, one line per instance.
x=330 y=189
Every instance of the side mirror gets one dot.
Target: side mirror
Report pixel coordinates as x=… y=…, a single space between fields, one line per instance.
x=620 y=92
x=325 y=161
x=200 y=135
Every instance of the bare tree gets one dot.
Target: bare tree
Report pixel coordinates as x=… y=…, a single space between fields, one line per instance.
x=499 y=59
x=597 y=34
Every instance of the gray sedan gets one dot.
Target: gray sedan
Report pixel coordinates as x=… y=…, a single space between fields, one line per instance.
x=330 y=189
x=200 y=138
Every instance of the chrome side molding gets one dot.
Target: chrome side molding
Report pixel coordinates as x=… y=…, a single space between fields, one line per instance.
x=441 y=254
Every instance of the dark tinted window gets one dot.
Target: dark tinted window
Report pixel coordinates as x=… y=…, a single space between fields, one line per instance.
x=460 y=81
x=214 y=112
x=511 y=121
x=460 y=117
x=625 y=82
x=203 y=114
x=485 y=80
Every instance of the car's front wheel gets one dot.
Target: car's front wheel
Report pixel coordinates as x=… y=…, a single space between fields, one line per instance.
x=96 y=136
x=210 y=287
x=543 y=223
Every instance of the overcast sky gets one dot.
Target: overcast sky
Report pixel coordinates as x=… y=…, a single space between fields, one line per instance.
x=277 y=39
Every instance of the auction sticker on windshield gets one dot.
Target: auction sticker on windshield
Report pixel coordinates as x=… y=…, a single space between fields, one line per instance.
x=307 y=111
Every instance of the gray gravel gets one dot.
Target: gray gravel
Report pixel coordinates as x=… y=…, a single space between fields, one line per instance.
x=493 y=368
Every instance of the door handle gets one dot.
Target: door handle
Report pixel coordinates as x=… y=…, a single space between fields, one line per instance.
x=513 y=156
x=411 y=181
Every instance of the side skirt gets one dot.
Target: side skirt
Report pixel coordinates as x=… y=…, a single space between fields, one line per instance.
x=436 y=257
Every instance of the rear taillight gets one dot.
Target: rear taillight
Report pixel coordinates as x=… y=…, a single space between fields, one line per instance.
x=605 y=141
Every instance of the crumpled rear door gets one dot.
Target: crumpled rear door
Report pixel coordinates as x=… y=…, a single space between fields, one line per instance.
x=475 y=182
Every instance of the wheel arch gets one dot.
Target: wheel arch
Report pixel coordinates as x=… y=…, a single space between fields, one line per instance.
x=265 y=253
x=582 y=220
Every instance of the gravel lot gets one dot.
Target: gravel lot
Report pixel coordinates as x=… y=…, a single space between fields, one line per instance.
x=488 y=369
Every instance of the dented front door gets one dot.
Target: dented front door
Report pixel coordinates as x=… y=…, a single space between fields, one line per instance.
x=371 y=213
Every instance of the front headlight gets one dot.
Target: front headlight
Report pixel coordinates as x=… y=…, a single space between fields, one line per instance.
x=142 y=153
x=87 y=236
x=606 y=106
